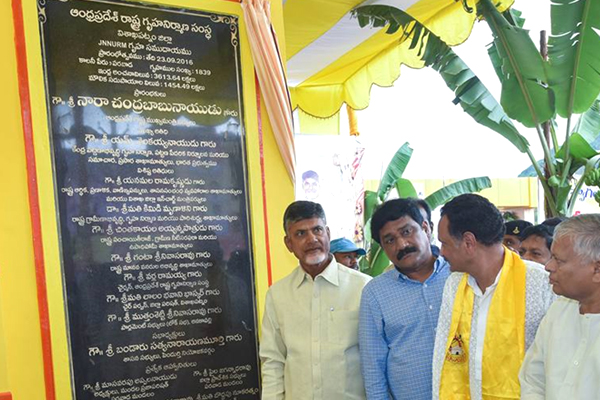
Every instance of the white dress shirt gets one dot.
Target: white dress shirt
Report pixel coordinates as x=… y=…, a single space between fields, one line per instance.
x=309 y=343
x=482 y=302
x=564 y=361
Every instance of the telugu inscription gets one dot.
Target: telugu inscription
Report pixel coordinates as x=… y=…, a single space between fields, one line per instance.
x=145 y=108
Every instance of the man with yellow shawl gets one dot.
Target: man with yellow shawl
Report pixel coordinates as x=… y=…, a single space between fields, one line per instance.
x=491 y=306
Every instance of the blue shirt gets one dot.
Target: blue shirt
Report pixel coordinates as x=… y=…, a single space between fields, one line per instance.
x=398 y=317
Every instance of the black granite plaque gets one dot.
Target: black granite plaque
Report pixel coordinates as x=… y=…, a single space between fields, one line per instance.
x=145 y=116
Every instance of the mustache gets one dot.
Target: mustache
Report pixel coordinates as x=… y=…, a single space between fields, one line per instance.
x=404 y=252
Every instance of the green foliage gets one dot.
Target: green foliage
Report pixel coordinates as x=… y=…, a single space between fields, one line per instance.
x=447 y=193
x=514 y=17
x=394 y=170
x=405 y=188
x=588 y=125
x=574 y=55
x=524 y=96
x=371 y=202
x=534 y=91
x=376 y=261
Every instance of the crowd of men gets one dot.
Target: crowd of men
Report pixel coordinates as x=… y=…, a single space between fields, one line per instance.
x=472 y=319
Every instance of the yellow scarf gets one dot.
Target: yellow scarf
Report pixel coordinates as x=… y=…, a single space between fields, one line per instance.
x=504 y=343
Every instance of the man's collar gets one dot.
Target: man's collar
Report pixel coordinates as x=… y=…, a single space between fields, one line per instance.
x=471 y=281
x=476 y=289
x=330 y=274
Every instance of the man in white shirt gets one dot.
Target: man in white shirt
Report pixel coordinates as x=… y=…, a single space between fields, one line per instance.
x=309 y=344
x=491 y=306
x=564 y=360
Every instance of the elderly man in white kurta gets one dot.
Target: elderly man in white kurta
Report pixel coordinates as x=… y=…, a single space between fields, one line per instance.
x=564 y=360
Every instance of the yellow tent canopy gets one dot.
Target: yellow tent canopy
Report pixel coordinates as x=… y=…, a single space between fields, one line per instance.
x=331 y=60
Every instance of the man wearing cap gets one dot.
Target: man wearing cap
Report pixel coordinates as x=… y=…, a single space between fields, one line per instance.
x=514 y=233
x=399 y=308
x=346 y=252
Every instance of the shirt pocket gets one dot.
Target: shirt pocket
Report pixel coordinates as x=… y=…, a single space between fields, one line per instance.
x=343 y=327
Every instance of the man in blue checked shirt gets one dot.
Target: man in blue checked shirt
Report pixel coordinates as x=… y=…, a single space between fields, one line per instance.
x=399 y=309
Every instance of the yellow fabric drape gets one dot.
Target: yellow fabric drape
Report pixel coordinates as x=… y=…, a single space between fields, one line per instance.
x=269 y=69
x=374 y=61
x=504 y=342
x=352 y=121
x=311 y=125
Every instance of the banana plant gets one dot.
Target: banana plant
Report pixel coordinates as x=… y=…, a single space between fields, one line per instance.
x=535 y=91
x=376 y=261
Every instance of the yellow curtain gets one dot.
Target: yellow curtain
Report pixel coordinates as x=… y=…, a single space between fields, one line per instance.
x=311 y=125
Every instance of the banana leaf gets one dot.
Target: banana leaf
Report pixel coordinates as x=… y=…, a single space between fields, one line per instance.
x=496 y=61
x=514 y=18
x=579 y=148
x=363 y=266
x=371 y=202
x=574 y=55
x=562 y=196
x=588 y=125
x=378 y=260
x=525 y=96
x=367 y=234
x=378 y=16
x=394 y=170
x=445 y=194
x=584 y=134
x=405 y=189
x=473 y=96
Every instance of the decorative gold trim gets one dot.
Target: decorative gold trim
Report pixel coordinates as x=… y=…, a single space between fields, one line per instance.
x=234 y=33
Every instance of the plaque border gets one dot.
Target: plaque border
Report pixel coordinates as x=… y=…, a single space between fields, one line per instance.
x=43 y=247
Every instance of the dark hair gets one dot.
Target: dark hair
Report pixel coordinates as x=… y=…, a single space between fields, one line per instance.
x=552 y=222
x=543 y=231
x=473 y=213
x=423 y=204
x=310 y=174
x=391 y=211
x=300 y=210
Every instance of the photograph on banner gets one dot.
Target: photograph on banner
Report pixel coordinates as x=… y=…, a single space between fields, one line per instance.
x=329 y=172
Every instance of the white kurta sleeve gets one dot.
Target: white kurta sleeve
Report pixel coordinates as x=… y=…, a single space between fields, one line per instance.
x=273 y=354
x=532 y=375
